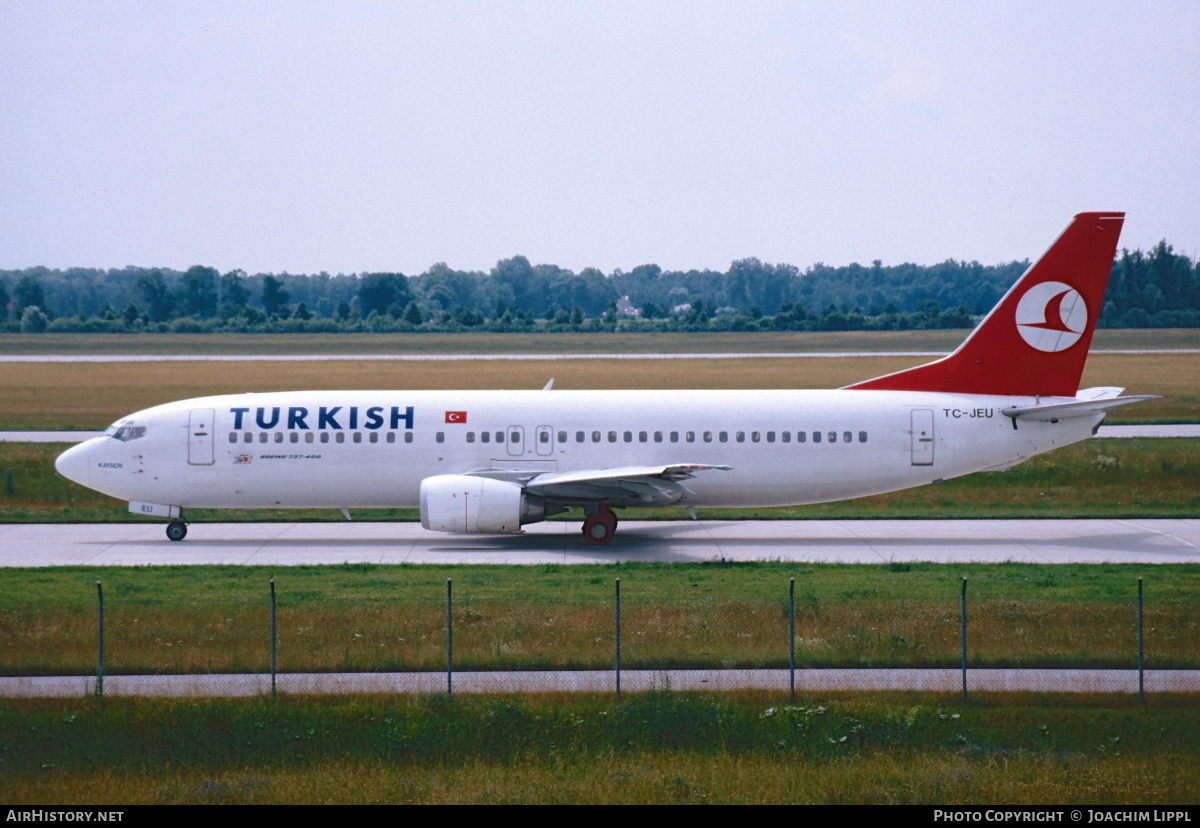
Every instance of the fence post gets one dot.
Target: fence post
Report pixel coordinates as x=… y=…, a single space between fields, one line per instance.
x=1141 y=649
x=617 y=634
x=792 y=637
x=99 y=640
x=449 y=639
x=274 y=637
x=962 y=615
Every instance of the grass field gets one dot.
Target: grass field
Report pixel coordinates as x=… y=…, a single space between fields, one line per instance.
x=356 y=618
x=655 y=748
x=90 y=396
x=1098 y=478
x=581 y=343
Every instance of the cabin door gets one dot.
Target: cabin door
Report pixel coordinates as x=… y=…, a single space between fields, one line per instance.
x=922 y=437
x=544 y=441
x=200 y=437
x=516 y=441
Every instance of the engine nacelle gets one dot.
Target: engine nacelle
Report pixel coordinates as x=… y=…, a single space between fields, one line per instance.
x=467 y=504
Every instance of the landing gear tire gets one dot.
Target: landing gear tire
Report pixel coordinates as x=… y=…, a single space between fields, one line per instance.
x=176 y=530
x=599 y=528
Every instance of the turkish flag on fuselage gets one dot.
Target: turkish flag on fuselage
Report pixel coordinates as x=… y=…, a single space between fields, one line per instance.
x=456 y=416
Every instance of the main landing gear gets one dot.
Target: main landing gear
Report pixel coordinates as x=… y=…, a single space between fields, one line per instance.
x=176 y=530
x=600 y=526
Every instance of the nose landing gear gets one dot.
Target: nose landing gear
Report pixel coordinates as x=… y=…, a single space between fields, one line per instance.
x=600 y=526
x=176 y=530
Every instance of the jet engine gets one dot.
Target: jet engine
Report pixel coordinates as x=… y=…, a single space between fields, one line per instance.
x=467 y=504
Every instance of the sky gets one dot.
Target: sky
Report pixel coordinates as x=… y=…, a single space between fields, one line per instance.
x=350 y=137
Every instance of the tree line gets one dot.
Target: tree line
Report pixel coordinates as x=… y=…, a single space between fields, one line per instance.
x=1156 y=288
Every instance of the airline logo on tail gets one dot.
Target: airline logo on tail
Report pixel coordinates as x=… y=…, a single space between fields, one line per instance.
x=1051 y=316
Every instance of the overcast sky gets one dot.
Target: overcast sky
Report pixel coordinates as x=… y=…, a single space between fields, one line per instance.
x=338 y=136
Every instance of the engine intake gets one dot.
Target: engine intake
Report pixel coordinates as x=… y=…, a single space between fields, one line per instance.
x=466 y=504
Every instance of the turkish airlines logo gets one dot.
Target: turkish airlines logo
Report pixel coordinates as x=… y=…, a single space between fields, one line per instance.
x=1051 y=316
x=456 y=416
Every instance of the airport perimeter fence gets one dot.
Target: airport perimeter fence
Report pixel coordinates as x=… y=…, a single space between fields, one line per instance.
x=606 y=636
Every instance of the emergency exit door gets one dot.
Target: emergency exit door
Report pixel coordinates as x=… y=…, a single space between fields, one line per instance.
x=200 y=437
x=922 y=437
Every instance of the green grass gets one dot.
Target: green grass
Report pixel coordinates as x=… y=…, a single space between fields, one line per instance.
x=658 y=747
x=180 y=620
x=1106 y=478
x=760 y=341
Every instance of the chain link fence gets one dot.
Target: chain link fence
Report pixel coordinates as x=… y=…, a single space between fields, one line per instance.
x=470 y=636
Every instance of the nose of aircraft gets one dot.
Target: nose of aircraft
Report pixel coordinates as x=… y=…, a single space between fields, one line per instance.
x=73 y=464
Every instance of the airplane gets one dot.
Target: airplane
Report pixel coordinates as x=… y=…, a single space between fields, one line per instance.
x=489 y=462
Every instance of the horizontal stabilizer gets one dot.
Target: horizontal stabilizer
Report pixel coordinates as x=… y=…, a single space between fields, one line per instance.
x=1080 y=408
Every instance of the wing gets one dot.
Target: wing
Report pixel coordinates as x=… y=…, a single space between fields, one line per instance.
x=628 y=486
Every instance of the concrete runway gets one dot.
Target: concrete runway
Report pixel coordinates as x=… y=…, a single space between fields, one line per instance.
x=838 y=541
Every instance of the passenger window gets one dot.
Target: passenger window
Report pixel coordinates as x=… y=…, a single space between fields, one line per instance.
x=324 y=436
x=374 y=436
x=470 y=436
x=658 y=436
x=278 y=436
x=708 y=436
x=500 y=437
x=485 y=437
x=440 y=437
x=341 y=437
x=723 y=437
x=862 y=436
x=784 y=436
x=847 y=437
x=628 y=436
x=391 y=438
x=579 y=436
x=816 y=436
x=691 y=437
x=754 y=436
x=544 y=437
x=515 y=437
x=233 y=436
x=562 y=436
x=770 y=436
x=741 y=436
x=358 y=437
x=595 y=436
x=408 y=437
x=833 y=436
x=612 y=436
x=643 y=437
x=262 y=438
x=675 y=437
x=801 y=436
x=308 y=437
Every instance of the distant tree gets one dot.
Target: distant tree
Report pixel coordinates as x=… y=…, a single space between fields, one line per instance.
x=379 y=292
x=3 y=301
x=412 y=314
x=33 y=320
x=652 y=311
x=274 y=295
x=154 y=290
x=197 y=292
x=131 y=314
x=234 y=294
x=343 y=311
x=301 y=312
x=28 y=292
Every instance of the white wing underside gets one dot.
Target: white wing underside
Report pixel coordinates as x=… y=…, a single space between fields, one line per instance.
x=626 y=486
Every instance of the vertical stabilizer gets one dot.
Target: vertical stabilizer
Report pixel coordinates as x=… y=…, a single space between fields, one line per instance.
x=1036 y=340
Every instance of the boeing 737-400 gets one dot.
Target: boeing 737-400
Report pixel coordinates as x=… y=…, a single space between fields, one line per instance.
x=492 y=461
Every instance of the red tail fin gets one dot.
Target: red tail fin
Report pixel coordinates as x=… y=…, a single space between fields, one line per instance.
x=1035 y=341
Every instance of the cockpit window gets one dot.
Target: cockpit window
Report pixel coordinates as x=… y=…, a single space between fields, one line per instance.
x=127 y=433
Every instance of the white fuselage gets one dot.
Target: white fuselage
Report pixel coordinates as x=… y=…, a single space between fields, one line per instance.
x=370 y=449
